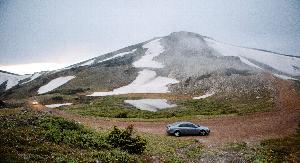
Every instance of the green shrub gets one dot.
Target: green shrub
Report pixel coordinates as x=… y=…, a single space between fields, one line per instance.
x=122 y=115
x=59 y=130
x=124 y=139
x=57 y=98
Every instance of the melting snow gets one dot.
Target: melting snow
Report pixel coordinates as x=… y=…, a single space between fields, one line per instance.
x=118 y=55
x=147 y=81
x=150 y=104
x=34 y=76
x=154 y=49
x=58 y=105
x=12 y=80
x=204 y=96
x=87 y=63
x=278 y=62
x=55 y=83
x=284 y=77
x=246 y=61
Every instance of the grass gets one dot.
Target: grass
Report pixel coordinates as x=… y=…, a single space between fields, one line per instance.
x=114 y=107
x=272 y=150
x=28 y=136
x=24 y=137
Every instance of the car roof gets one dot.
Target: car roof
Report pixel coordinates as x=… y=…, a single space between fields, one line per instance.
x=181 y=122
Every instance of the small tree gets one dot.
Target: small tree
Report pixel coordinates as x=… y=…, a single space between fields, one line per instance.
x=124 y=140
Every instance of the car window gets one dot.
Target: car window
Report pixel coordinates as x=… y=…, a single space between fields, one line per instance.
x=191 y=125
x=183 y=125
x=187 y=125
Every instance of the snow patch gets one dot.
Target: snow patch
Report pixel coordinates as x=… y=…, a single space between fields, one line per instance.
x=57 y=105
x=150 y=104
x=12 y=80
x=284 y=77
x=278 y=62
x=247 y=62
x=55 y=83
x=33 y=76
x=87 y=63
x=117 y=55
x=147 y=81
x=154 y=49
x=204 y=96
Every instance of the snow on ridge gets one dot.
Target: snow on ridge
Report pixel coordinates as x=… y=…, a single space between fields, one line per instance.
x=278 y=62
x=33 y=76
x=55 y=83
x=247 y=62
x=118 y=55
x=57 y=105
x=284 y=77
x=88 y=62
x=154 y=49
x=147 y=81
x=150 y=104
x=12 y=80
x=208 y=94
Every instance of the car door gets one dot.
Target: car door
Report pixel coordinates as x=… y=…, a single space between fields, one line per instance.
x=184 y=128
x=192 y=129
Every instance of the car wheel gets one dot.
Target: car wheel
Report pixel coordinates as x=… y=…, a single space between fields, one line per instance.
x=203 y=133
x=177 y=133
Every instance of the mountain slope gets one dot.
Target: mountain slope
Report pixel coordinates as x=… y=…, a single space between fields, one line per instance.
x=181 y=62
x=9 y=80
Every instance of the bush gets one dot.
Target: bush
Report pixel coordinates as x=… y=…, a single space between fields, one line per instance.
x=71 y=133
x=122 y=115
x=124 y=140
x=57 y=98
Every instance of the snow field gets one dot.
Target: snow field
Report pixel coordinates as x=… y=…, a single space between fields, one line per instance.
x=147 y=81
x=55 y=83
x=279 y=62
x=150 y=104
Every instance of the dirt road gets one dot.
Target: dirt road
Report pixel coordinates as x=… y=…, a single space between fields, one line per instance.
x=250 y=128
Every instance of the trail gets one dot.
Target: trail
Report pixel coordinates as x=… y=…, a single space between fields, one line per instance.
x=281 y=122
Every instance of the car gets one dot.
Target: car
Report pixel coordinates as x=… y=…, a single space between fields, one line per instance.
x=187 y=128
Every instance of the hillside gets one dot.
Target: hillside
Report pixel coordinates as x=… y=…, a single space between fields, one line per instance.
x=181 y=62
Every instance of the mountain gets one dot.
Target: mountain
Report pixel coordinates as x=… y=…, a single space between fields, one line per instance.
x=182 y=63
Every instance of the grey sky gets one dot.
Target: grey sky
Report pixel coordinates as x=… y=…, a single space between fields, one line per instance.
x=67 y=31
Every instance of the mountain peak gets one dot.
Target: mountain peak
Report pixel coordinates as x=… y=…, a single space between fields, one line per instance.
x=187 y=34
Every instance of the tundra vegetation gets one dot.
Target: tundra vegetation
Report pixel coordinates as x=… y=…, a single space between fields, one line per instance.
x=29 y=136
x=114 y=107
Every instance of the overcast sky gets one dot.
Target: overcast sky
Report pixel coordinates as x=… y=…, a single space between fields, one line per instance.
x=68 y=31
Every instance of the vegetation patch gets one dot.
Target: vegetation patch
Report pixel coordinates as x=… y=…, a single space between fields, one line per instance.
x=28 y=136
x=282 y=150
x=59 y=130
x=272 y=150
x=35 y=137
x=125 y=141
x=114 y=107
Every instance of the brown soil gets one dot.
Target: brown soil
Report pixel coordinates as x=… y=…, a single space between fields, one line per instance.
x=224 y=129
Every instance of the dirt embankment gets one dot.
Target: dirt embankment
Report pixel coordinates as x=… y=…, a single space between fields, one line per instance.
x=252 y=128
